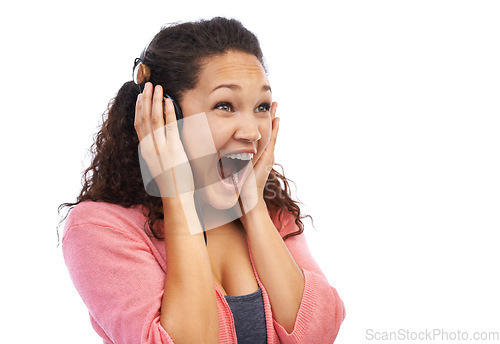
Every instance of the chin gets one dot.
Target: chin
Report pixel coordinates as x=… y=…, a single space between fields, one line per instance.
x=218 y=197
x=213 y=192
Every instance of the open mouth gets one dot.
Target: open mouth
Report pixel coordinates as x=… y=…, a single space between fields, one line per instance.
x=232 y=170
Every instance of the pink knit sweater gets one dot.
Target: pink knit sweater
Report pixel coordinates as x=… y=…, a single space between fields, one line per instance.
x=120 y=272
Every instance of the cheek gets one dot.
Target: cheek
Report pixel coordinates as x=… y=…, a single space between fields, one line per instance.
x=196 y=136
x=220 y=132
x=213 y=133
x=265 y=132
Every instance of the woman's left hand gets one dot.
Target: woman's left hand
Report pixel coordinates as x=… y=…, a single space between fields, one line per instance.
x=252 y=193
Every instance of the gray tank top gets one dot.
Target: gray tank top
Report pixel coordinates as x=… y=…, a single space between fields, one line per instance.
x=249 y=317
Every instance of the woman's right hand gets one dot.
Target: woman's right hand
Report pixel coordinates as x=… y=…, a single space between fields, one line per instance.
x=160 y=143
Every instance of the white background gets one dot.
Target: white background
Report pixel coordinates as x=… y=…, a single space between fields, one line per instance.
x=389 y=127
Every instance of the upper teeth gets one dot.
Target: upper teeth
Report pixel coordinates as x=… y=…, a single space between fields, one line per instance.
x=241 y=156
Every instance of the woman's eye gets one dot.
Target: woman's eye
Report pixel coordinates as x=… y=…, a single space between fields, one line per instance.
x=263 y=107
x=224 y=107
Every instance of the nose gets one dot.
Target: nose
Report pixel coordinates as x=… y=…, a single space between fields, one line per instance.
x=247 y=128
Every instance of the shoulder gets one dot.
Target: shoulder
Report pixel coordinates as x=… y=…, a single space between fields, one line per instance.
x=105 y=215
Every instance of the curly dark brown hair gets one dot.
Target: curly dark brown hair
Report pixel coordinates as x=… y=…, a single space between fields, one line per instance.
x=174 y=58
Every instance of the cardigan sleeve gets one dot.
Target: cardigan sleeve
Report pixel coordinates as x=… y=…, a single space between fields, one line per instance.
x=120 y=282
x=321 y=310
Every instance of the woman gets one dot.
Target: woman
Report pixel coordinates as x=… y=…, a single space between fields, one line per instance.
x=217 y=254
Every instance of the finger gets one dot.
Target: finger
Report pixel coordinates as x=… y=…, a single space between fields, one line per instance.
x=147 y=104
x=157 y=108
x=137 y=119
x=157 y=123
x=170 y=118
x=169 y=111
x=275 y=123
x=274 y=107
x=267 y=156
x=146 y=108
x=272 y=141
x=276 y=126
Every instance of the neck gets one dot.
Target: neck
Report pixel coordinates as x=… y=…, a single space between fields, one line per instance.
x=214 y=218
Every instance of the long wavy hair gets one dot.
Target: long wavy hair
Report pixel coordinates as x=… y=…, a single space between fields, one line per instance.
x=174 y=58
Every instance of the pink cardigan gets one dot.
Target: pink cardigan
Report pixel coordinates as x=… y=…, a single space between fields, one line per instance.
x=119 y=272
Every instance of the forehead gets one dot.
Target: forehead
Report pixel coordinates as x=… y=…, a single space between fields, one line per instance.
x=235 y=67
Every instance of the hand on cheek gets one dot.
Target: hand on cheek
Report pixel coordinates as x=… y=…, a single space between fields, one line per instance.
x=253 y=188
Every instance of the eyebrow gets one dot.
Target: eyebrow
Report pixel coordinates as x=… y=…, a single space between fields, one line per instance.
x=265 y=88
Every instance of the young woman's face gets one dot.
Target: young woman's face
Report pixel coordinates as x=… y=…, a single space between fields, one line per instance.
x=234 y=94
